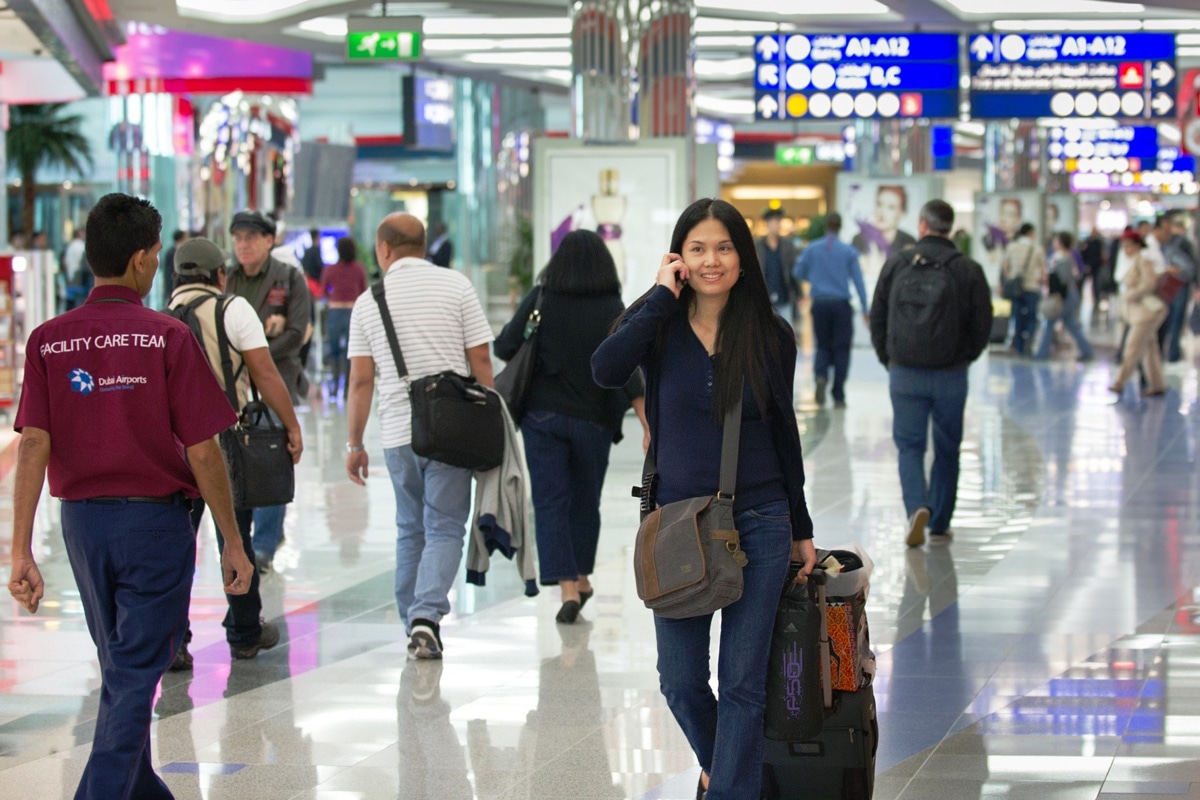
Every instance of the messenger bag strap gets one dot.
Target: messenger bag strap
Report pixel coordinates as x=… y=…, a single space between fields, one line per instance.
x=389 y=329
x=227 y=373
x=730 y=444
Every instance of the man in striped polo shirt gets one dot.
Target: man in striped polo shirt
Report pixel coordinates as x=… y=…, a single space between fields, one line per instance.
x=440 y=326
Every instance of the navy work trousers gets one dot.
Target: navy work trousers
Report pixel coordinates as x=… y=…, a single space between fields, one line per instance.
x=133 y=563
x=833 y=328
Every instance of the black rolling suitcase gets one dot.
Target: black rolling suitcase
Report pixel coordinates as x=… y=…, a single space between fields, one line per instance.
x=839 y=763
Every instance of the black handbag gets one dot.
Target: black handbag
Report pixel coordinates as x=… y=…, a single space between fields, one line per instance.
x=455 y=420
x=514 y=380
x=687 y=557
x=261 y=470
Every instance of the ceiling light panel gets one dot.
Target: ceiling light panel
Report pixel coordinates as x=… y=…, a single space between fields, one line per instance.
x=242 y=11
x=989 y=7
x=451 y=45
x=548 y=60
x=802 y=9
x=1067 y=24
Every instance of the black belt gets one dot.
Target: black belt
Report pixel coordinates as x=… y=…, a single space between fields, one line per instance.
x=170 y=500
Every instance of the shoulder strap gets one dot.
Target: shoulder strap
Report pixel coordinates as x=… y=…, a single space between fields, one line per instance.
x=227 y=372
x=377 y=291
x=535 y=316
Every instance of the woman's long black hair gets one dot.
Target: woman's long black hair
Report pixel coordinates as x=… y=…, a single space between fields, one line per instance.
x=582 y=264
x=748 y=332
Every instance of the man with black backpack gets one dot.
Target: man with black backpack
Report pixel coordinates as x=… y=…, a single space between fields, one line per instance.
x=930 y=318
x=231 y=335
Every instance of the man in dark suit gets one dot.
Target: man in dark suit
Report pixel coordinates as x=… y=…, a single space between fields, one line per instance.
x=777 y=255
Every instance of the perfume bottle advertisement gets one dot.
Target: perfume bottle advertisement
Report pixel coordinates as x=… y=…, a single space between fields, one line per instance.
x=629 y=195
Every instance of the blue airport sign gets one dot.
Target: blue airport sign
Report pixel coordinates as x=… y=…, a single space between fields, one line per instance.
x=1124 y=148
x=1111 y=75
x=831 y=76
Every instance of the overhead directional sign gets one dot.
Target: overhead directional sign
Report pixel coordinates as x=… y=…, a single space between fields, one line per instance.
x=839 y=76
x=1124 y=148
x=1028 y=75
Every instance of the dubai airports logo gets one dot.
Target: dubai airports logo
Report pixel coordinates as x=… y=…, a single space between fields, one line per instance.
x=81 y=382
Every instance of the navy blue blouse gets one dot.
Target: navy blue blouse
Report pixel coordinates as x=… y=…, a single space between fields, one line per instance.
x=687 y=440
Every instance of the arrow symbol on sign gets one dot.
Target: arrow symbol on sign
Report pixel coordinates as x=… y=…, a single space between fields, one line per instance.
x=767 y=47
x=1162 y=104
x=388 y=44
x=1162 y=74
x=768 y=74
x=982 y=48
x=768 y=107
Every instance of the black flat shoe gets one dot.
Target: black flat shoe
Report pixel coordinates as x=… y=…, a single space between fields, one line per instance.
x=585 y=596
x=568 y=613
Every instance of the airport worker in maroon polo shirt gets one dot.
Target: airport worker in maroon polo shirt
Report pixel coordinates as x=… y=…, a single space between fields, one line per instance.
x=121 y=411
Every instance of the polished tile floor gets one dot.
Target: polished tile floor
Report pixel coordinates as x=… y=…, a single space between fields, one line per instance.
x=1051 y=651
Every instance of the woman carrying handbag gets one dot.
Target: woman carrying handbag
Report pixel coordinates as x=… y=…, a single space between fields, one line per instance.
x=1063 y=301
x=706 y=338
x=569 y=424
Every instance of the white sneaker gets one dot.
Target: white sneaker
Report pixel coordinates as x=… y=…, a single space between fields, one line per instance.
x=916 y=527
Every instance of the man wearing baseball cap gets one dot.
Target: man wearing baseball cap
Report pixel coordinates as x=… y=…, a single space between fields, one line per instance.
x=199 y=285
x=279 y=293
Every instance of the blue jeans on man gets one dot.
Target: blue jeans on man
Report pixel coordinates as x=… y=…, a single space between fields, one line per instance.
x=433 y=502
x=1172 y=328
x=921 y=397
x=1025 y=309
x=567 y=458
x=725 y=732
x=268 y=533
x=133 y=563
x=833 y=328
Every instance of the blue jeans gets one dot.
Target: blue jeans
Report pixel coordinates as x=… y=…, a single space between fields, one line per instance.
x=918 y=397
x=133 y=563
x=567 y=458
x=1025 y=318
x=833 y=328
x=1173 y=327
x=433 y=501
x=726 y=733
x=337 y=333
x=1070 y=321
x=268 y=530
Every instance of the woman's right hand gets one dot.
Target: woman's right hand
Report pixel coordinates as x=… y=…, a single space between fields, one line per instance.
x=672 y=273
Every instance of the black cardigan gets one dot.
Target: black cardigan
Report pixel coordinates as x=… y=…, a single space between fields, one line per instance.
x=633 y=345
x=572 y=327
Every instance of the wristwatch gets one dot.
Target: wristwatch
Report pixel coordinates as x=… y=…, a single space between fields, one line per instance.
x=355 y=448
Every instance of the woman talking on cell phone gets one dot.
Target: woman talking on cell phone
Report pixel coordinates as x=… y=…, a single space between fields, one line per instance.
x=705 y=336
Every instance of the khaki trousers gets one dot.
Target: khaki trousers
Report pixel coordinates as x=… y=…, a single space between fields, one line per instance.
x=1142 y=347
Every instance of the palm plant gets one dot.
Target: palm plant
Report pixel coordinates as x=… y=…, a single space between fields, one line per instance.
x=40 y=136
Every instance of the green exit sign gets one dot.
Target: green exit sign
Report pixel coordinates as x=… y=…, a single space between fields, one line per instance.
x=383 y=45
x=794 y=156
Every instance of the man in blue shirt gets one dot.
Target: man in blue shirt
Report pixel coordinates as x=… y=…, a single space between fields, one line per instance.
x=829 y=265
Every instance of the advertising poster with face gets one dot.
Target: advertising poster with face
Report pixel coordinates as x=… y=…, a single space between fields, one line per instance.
x=998 y=215
x=879 y=216
x=630 y=194
x=1061 y=216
